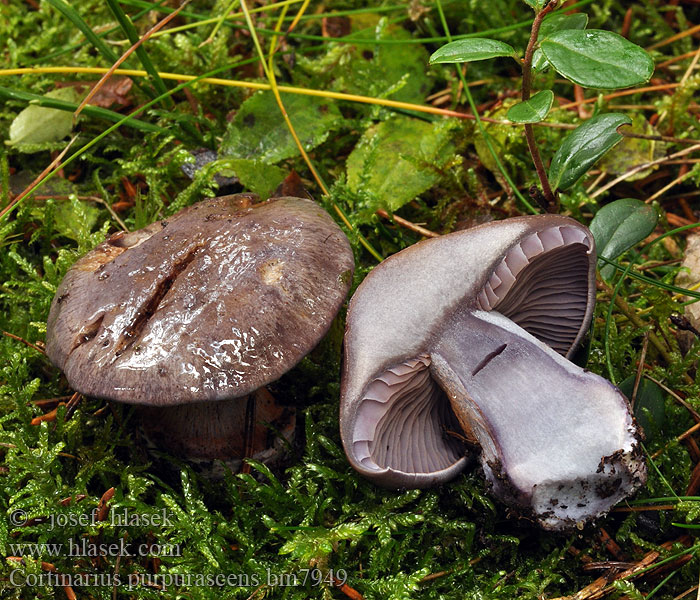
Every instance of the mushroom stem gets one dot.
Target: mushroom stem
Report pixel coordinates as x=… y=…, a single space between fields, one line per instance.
x=558 y=442
x=219 y=430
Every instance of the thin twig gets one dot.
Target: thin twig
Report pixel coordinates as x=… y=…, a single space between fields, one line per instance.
x=434 y=576
x=597 y=181
x=350 y=592
x=644 y=508
x=96 y=88
x=680 y=438
x=73 y=404
x=39 y=178
x=254 y=85
x=644 y=166
x=269 y=72
x=657 y=138
x=675 y=396
x=680 y=179
x=637 y=321
x=673 y=38
x=529 y=131
x=49 y=416
x=691 y=67
x=25 y=342
x=604 y=585
x=408 y=224
x=45 y=402
x=688 y=591
x=675 y=59
x=115 y=216
x=640 y=370
x=298 y=16
x=650 y=88
x=219 y=22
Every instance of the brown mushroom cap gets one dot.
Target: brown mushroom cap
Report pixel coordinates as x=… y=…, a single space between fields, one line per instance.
x=212 y=303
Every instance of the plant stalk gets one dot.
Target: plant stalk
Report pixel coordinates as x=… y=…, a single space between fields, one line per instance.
x=551 y=201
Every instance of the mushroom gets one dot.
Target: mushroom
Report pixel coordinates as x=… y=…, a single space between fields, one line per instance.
x=192 y=314
x=474 y=329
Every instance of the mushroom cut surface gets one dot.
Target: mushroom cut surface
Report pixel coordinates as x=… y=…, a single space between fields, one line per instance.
x=211 y=303
x=466 y=337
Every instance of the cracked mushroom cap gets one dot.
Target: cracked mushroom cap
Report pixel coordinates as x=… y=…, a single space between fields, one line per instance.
x=210 y=304
x=469 y=333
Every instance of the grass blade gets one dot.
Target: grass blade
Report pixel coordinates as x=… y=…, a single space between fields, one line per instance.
x=68 y=49
x=92 y=111
x=69 y=12
x=106 y=52
x=132 y=35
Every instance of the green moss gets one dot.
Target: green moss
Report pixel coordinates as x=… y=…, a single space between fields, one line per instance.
x=283 y=534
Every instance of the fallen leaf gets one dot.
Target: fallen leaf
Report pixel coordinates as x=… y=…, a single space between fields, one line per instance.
x=397 y=160
x=38 y=124
x=114 y=93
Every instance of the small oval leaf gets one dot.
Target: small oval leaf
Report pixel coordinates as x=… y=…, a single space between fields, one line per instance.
x=470 y=50
x=559 y=22
x=649 y=405
x=583 y=147
x=554 y=23
x=536 y=5
x=620 y=225
x=533 y=110
x=539 y=62
x=597 y=59
x=39 y=124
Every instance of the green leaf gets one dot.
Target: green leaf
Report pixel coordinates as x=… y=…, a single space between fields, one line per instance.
x=258 y=131
x=37 y=124
x=90 y=111
x=649 y=405
x=533 y=110
x=257 y=176
x=388 y=69
x=620 y=225
x=554 y=23
x=560 y=21
x=471 y=49
x=536 y=5
x=583 y=147
x=597 y=59
x=396 y=71
x=76 y=220
x=634 y=151
x=397 y=160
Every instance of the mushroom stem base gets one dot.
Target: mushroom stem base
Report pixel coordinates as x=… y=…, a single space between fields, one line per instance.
x=228 y=430
x=557 y=442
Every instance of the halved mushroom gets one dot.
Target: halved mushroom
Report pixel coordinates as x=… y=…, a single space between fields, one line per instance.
x=474 y=328
x=207 y=306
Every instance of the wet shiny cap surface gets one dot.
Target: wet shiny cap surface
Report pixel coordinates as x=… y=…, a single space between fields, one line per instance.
x=211 y=303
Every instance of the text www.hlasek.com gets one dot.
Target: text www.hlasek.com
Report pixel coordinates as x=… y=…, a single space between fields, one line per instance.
x=84 y=547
